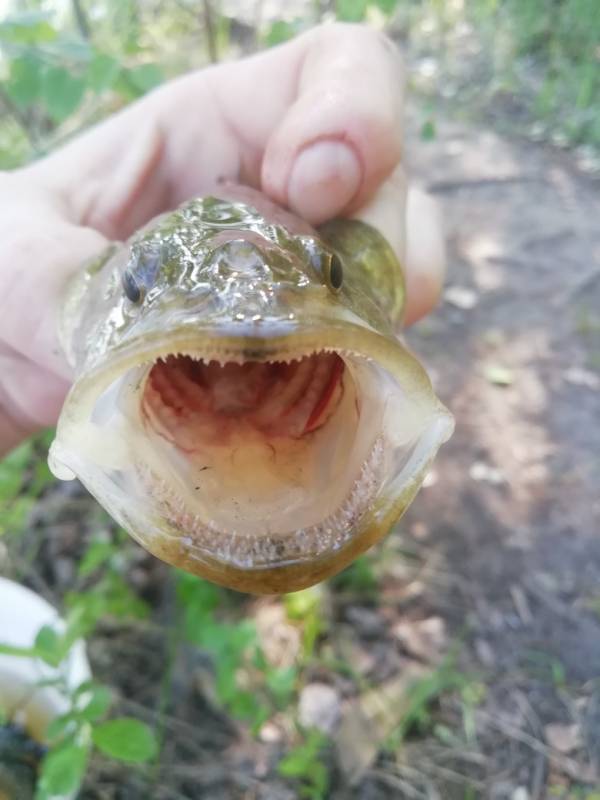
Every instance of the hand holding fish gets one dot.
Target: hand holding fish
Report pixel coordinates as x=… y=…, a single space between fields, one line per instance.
x=316 y=124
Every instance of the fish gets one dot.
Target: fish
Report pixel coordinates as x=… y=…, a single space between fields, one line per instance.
x=242 y=403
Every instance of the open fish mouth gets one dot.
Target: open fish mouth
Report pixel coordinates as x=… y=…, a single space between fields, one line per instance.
x=270 y=462
x=263 y=464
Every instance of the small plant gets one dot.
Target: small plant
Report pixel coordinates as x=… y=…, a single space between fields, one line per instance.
x=304 y=762
x=427 y=691
x=23 y=478
x=358 y=578
x=74 y=734
x=245 y=683
x=306 y=608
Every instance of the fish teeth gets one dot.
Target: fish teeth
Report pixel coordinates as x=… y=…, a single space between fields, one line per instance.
x=250 y=551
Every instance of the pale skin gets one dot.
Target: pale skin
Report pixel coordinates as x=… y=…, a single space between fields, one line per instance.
x=316 y=124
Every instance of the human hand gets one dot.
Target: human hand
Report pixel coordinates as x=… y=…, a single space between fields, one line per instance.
x=315 y=123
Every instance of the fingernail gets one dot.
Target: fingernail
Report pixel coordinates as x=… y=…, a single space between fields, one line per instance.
x=324 y=179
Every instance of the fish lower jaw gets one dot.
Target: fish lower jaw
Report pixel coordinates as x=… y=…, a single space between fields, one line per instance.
x=200 y=539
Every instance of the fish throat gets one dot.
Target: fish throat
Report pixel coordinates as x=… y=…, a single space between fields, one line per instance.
x=261 y=462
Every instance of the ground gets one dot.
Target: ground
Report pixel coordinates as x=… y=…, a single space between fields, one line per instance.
x=483 y=631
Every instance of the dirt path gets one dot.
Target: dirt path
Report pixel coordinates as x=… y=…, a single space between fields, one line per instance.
x=512 y=518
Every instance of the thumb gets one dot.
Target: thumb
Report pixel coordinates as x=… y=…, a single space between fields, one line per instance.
x=341 y=136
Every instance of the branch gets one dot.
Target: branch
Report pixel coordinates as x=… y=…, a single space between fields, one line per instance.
x=13 y=110
x=211 y=39
x=82 y=20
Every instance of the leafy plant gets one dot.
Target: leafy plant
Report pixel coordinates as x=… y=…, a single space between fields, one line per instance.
x=50 y=74
x=424 y=693
x=245 y=683
x=359 y=578
x=24 y=476
x=304 y=762
x=306 y=608
x=73 y=735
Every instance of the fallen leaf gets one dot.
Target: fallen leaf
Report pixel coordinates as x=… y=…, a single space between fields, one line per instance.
x=498 y=375
x=319 y=707
x=480 y=471
x=425 y=638
x=461 y=297
x=370 y=719
x=564 y=738
x=582 y=377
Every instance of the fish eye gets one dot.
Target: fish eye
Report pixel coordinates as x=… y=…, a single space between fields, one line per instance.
x=334 y=273
x=133 y=290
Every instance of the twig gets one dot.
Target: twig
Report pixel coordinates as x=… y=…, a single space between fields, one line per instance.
x=15 y=112
x=581 y=284
x=537 y=784
x=191 y=732
x=438 y=187
x=450 y=774
x=211 y=40
x=568 y=765
x=81 y=19
x=394 y=782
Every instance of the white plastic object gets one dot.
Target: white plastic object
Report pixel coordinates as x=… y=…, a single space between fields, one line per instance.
x=22 y=614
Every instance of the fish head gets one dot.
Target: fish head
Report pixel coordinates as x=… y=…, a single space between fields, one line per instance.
x=242 y=405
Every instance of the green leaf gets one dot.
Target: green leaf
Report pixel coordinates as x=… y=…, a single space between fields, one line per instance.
x=281 y=31
x=304 y=759
x=143 y=78
x=387 y=6
x=13 y=650
x=30 y=27
x=103 y=70
x=299 y=605
x=281 y=683
x=351 y=10
x=126 y=740
x=14 y=516
x=428 y=130
x=42 y=477
x=24 y=86
x=197 y=594
x=49 y=646
x=498 y=375
x=97 y=704
x=62 y=771
x=62 y=92
x=61 y=726
x=97 y=553
x=69 y=49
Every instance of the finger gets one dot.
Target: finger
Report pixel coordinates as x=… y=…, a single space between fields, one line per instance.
x=247 y=121
x=425 y=255
x=341 y=136
x=23 y=407
x=411 y=223
x=39 y=251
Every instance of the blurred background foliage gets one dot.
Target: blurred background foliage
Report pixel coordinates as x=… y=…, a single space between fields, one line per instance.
x=66 y=63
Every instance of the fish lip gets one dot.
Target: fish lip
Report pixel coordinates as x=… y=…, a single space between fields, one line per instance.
x=346 y=336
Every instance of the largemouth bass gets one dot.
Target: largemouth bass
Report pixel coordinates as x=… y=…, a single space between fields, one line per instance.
x=242 y=405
